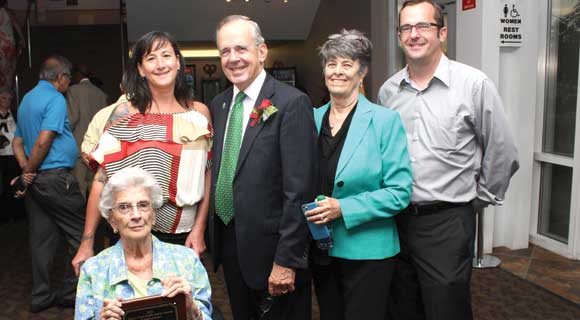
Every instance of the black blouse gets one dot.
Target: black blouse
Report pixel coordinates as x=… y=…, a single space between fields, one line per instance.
x=330 y=148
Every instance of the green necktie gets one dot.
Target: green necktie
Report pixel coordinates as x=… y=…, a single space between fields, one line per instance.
x=224 y=194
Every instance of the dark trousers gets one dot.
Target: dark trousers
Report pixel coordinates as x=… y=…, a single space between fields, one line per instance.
x=433 y=273
x=174 y=238
x=353 y=289
x=55 y=209
x=250 y=304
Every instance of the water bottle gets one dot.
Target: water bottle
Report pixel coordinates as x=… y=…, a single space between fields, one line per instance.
x=321 y=233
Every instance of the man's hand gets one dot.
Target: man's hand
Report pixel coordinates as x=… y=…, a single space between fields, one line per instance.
x=478 y=204
x=85 y=251
x=27 y=179
x=196 y=241
x=281 y=280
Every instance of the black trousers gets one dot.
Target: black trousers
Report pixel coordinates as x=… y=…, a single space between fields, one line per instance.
x=174 y=238
x=433 y=273
x=353 y=289
x=55 y=210
x=250 y=304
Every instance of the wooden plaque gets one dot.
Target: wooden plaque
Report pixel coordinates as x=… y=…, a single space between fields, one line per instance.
x=155 y=308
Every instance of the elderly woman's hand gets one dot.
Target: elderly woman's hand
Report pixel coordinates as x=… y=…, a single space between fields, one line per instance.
x=327 y=210
x=112 y=309
x=173 y=286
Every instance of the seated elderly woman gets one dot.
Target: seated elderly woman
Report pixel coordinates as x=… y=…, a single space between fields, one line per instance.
x=139 y=264
x=365 y=175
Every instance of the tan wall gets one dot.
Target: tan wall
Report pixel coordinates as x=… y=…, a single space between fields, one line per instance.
x=332 y=16
x=99 y=47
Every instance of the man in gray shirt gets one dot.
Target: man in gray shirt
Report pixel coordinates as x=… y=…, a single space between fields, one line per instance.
x=462 y=157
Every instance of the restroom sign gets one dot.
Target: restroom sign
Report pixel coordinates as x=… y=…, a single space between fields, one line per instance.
x=511 y=31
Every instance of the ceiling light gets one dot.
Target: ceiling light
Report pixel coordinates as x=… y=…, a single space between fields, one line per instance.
x=200 y=53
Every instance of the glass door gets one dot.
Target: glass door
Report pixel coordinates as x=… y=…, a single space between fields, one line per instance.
x=556 y=166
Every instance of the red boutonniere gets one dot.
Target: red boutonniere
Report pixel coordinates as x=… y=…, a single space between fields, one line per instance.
x=262 y=112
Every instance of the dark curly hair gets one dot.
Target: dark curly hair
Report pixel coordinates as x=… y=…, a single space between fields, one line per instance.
x=137 y=88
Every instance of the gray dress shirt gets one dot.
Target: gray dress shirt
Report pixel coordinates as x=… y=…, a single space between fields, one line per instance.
x=458 y=136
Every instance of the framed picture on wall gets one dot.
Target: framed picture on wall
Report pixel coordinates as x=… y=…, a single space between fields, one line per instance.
x=209 y=89
x=287 y=75
x=190 y=77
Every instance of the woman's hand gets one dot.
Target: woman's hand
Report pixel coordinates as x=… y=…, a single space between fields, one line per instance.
x=196 y=241
x=327 y=210
x=173 y=286
x=112 y=309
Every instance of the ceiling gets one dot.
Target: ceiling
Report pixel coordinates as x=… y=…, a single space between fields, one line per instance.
x=196 y=20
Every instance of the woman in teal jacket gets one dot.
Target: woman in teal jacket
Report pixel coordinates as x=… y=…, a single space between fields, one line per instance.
x=366 y=177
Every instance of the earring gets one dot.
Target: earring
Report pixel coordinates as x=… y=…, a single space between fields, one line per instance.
x=143 y=78
x=115 y=230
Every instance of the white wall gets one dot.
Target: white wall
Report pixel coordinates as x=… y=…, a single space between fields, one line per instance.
x=514 y=71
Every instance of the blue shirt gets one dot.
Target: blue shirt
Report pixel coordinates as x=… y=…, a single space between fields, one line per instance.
x=44 y=108
x=105 y=276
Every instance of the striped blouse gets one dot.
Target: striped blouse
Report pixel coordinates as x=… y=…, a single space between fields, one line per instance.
x=174 y=148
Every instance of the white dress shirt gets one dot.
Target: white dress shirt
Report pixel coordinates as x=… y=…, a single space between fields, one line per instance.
x=252 y=92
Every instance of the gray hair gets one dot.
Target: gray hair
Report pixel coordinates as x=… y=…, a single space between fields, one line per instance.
x=350 y=44
x=236 y=17
x=54 y=66
x=124 y=179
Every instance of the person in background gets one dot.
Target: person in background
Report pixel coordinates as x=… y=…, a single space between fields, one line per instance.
x=98 y=124
x=163 y=131
x=462 y=157
x=365 y=176
x=138 y=265
x=84 y=99
x=12 y=208
x=46 y=152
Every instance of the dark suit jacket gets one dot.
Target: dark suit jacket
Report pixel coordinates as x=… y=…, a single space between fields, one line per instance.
x=275 y=175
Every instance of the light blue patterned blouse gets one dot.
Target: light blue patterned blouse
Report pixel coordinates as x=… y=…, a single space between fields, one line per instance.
x=105 y=277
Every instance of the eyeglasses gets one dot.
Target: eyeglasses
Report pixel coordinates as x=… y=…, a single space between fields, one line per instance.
x=126 y=208
x=420 y=27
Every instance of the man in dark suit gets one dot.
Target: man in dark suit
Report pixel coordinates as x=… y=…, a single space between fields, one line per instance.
x=264 y=170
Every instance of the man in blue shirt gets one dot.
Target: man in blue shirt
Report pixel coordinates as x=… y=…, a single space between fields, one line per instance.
x=46 y=151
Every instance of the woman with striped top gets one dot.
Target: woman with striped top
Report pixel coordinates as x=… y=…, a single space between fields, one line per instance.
x=162 y=130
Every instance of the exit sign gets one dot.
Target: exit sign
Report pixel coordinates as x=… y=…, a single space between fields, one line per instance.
x=468 y=4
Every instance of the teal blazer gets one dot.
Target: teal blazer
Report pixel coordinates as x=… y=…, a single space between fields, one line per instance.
x=372 y=183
